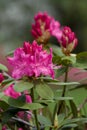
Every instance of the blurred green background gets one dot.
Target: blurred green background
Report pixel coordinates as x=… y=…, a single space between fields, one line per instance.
x=16 y=17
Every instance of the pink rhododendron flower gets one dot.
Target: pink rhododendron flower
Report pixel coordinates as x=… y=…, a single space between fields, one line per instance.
x=68 y=40
x=55 y=29
x=31 y=60
x=11 y=92
x=44 y=27
x=1 y=77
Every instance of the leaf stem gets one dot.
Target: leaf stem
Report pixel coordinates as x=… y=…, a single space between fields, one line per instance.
x=65 y=80
x=64 y=89
x=35 y=111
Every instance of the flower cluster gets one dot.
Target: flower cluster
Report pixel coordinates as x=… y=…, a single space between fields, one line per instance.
x=31 y=60
x=44 y=27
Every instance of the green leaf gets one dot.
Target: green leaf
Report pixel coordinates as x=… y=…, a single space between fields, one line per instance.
x=44 y=120
x=21 y=104
x=81 y=60
x=63 y=83
x=61 y=119
x=70 y=126
x=56 y=50
x=3 y=105
x=69 y=59
x=48 y=79
x=79 y=96
x=73 y=109
x=7 y=81
x=44 y=91
x=63 y=98
x=21 y=86
x=57 y=60
x=1 y=94
x=3 y=67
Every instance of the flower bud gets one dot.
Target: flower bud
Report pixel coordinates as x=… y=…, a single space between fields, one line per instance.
x=41 y=27
x=1 y=77
x=68 y=40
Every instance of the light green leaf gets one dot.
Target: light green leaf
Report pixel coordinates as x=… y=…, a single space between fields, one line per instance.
x=71 y=59
x=21 y=86
x=3 y=67
x=44 y=91
x=70 y=125
x=1 y=94
x=63 y=98
x=63 y=83
x=81 y=60
x=44 y=120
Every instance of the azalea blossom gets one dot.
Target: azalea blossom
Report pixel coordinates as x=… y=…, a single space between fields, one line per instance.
x=31 y=60
x=68 y=40
x=44 y=27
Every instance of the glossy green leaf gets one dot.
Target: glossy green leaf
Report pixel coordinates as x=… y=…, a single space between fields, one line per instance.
x=3 y=67
x=81 y=60
x=44 y=91
x=21 y=86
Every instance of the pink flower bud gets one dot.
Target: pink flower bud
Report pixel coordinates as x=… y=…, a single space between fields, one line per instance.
x=1 y=77
x=41 y=27
x=68 y=40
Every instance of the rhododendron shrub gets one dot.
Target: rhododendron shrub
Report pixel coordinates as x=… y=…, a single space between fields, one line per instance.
x=46 y=88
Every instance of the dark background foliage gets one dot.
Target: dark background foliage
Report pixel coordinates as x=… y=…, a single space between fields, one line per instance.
x=16 y=18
